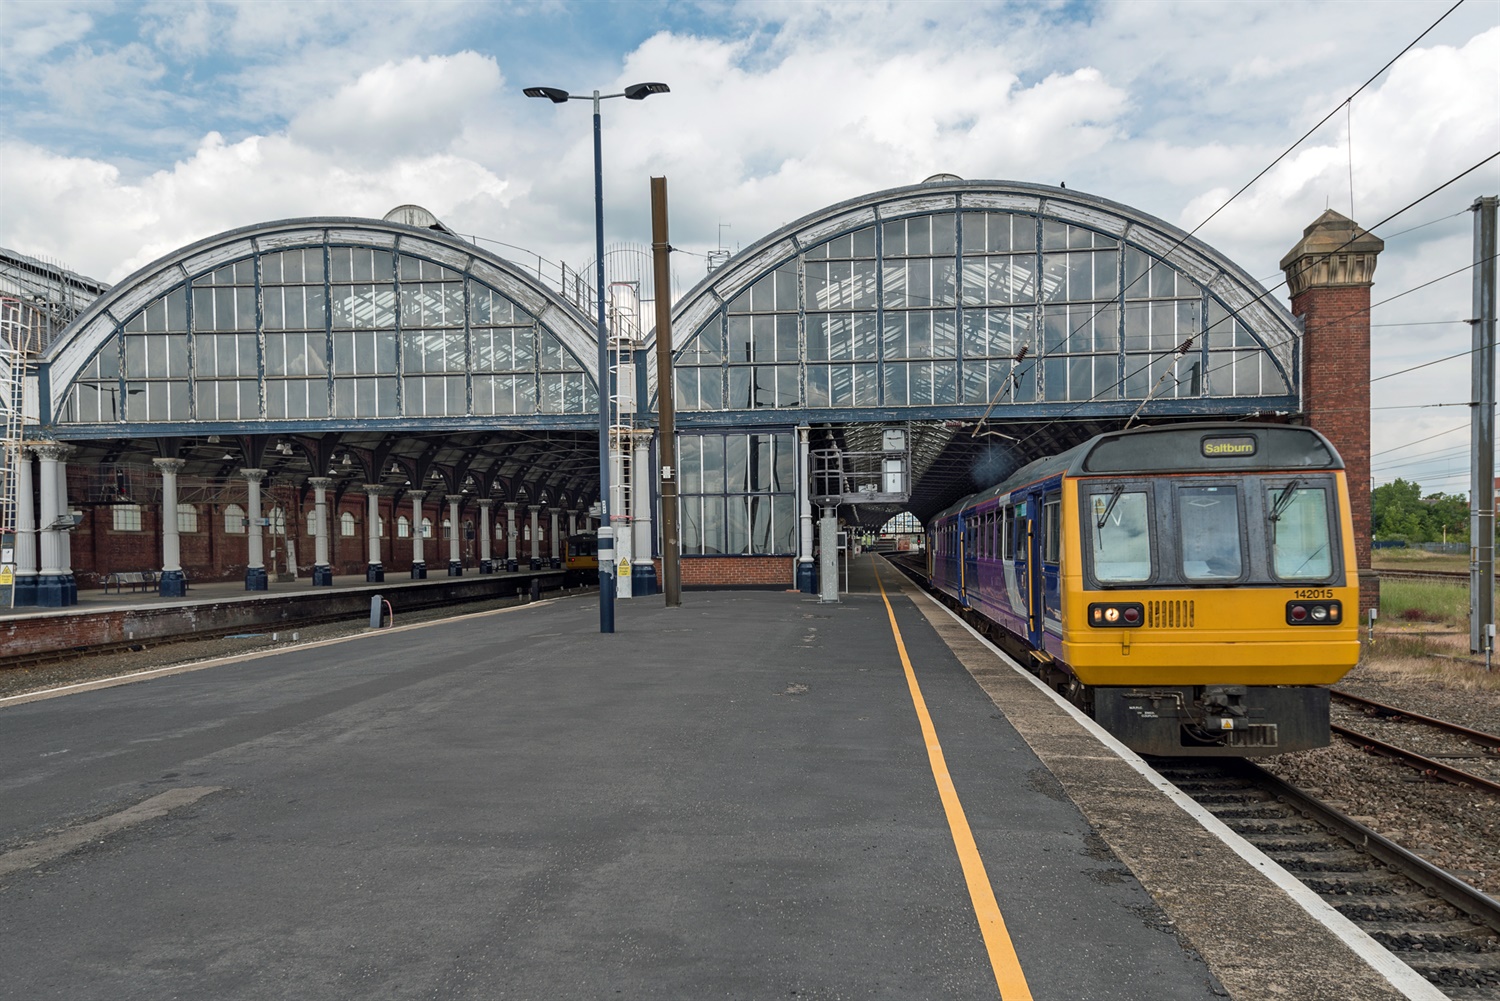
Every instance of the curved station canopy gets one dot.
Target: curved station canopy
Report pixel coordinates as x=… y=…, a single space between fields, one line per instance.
x=992 y=321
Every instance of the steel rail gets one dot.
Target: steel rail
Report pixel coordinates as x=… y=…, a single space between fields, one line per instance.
x=1478 y=736
x=1470 y=900
x=1430 y=765
x=1455 y=576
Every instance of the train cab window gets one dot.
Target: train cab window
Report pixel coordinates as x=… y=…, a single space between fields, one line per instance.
x=1120 y=535
x=1051 y=528
x=1209 y=519
x=1300 y=545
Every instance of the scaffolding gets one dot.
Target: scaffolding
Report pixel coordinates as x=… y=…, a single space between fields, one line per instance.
x=20 y=326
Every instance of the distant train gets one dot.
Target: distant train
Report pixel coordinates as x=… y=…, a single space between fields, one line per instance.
x=1192 y=587
x=581 y=557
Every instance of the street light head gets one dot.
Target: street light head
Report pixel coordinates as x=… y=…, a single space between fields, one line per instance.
x=641 y=91
x=553 y=94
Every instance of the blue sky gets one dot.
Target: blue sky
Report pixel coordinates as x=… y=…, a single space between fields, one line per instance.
x=129 y=129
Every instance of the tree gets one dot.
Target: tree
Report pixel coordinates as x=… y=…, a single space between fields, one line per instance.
x=1399 y=511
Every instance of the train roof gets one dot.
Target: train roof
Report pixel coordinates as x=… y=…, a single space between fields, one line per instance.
x=1177 y=448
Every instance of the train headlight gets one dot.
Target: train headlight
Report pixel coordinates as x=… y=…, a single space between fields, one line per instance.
x=1314 y=613
x=1115 y=614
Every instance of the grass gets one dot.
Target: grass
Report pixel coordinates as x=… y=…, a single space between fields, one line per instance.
x=1422 y=636
x=1424 y=601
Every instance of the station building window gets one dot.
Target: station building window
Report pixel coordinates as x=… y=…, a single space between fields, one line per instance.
x=403 y=527
x=187 y=518
x=346 y=525
x=234 y=520
x=125 y=517
x=738 y=493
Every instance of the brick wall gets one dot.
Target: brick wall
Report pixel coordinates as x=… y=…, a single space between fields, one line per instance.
x=1336 y=399
x=211 y=554
x=736 y=571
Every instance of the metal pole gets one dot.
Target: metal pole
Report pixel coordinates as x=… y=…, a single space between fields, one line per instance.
x=1482 y=431
x=606 y=534
x=671 y=544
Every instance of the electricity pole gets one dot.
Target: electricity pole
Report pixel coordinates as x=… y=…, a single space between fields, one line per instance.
x=1482 y=433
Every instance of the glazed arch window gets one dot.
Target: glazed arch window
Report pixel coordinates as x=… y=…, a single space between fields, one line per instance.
x=125 y=517
x=234 y=520
x=346 y=525
x=187 y=518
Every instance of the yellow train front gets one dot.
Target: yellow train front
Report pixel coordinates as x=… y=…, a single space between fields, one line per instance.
x=1193 y=587
x=581 y=558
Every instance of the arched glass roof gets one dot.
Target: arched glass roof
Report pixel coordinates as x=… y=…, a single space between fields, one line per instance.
x=323 y=325
x=944 y=299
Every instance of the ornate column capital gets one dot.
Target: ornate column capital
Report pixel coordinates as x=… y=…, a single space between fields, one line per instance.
x=169 y=465
x=511 y=505
x=485 y=502
x=533 y=508
x=374 y=489
x=417 y=495
x=49 y=450
x=454 y=498
x=320 y=482
x=253 y=475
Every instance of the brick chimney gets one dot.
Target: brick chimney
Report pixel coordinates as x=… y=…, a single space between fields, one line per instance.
x=1329 y=273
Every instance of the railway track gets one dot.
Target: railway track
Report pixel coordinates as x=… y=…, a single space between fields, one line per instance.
x=1453 y=576
x=1443 y=928
x=1432 y=745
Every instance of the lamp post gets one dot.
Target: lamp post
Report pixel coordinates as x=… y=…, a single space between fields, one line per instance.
x=635 y=92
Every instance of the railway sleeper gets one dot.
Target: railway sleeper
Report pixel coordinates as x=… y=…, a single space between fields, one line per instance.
x=1457 y=935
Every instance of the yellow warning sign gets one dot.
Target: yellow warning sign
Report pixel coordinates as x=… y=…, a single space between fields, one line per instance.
x=624 y=567
x=7 y=576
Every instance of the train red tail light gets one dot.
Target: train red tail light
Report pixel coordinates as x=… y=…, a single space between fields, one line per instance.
x=1314 y=613
x=1116 y=614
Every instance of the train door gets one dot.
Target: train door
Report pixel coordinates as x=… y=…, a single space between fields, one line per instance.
x=969 y=576
x=1050 y=546
x=1028 y=534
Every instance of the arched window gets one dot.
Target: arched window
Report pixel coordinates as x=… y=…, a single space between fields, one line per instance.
x=312 y=522
x=125 y=517
x=234 y=520
x=380 y=526
x=426 y=528
x=277 y=521
x=403 y=527
x=187 y=518
x=346 y=525
x=447 y=529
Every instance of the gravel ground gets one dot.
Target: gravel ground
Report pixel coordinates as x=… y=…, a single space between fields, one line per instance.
x=1457 y=829
x=20 y=680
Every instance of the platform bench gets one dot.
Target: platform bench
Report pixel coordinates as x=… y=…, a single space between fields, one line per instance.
x=133 y=579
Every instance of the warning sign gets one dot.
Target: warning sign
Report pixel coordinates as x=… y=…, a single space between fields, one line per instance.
x=624 y=567
x=7 y=576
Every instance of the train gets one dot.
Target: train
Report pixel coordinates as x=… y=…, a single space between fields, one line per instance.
x=1192 y=587
x=581 y=557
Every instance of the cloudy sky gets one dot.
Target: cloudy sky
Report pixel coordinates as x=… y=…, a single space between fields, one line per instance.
x=130 y=129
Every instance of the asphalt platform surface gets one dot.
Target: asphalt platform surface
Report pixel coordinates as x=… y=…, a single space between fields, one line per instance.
x=731 y=799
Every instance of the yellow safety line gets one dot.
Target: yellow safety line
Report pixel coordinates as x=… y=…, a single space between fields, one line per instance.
x=1003 y=960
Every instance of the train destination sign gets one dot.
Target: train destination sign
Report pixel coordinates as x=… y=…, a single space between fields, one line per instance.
x=1218 y=448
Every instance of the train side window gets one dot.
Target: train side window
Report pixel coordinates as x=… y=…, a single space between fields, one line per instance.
x=1051 y=528
x=1209 y=521
x=1301 y=548
x=1119 y=532
x=1008 y=534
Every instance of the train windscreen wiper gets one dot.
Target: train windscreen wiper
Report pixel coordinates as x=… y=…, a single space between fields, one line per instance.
x=1283 y=501
x=1113 y=499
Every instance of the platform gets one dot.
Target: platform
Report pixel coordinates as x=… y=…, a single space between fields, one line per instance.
x=735 y=798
